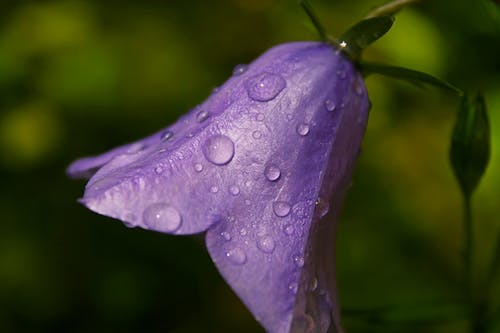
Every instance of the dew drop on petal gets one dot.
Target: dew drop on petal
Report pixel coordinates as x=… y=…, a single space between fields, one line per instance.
x=234 y=189
x=256 y=134
x=158 y=170
x=130 y=219
x=341 y=73
x=166 y=135
x=323 y=206
x=218 y=149
x=330 y=105
x=272 y=173
x=293 y=287
x=314 y=284
x=202 y=115
x=236 y=256
x=302 y=323
x=198 y=167
x=281 y=208
x=298 y=260
x=358 y=88
x=302 y=129
x=288 y=229
x=214 y=189
x=266 y=86
x=135 y=148
x=162 y=217
x=226 y=235
x=266 y=244
x=239 y=69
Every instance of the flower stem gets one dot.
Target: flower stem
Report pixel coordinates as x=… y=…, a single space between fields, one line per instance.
x=315 y=20
x=468 y=248
x=391 y=7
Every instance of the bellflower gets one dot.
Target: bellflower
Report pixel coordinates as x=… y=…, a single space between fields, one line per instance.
x=261 y=167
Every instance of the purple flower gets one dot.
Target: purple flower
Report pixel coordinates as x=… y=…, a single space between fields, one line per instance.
x=257 y=166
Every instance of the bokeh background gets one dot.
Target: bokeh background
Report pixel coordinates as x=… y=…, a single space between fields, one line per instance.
x=79 y=77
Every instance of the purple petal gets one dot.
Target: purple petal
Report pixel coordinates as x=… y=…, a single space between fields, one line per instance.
x=256 y=165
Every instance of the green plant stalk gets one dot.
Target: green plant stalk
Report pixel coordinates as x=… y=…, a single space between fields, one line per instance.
x=391 y=8
x=468 y=248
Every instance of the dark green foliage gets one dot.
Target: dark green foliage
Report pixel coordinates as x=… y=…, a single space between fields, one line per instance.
x=407 y=74
x=470 y=144
x=364 y=33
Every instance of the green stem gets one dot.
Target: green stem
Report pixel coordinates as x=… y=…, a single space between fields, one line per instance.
x=391 y=8
x=315 y=20
x=468 y=248
x=477 y=307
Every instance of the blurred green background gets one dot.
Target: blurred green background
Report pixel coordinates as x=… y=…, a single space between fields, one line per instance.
x=79 y=77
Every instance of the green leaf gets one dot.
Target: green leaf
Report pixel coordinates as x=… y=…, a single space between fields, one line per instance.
x=314 y=19
x=470 y=143
x=364 y=33
x=406 y=74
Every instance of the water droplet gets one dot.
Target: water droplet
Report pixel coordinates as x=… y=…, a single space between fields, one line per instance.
x=234 y=189
x=166 y=135
x=266 y=244
x=218 y=149
x=162 y=217
x=158 y=170
x=226 y=235
x=202 y=115
x=298 y=260
x=259 y=117
x=239 y=69
x=293 y=287
x=302 y=323
x=272 y=173
x=314 y=284
x=266 y=86
x=323 y=206
x=358 y=88
x=236 y=256
x=135 y=148
x=281 y=208
x=130 y=219
x=302 y=129
x=243 y=232
x=256 y=134
x=214 y=189
x=198 y=167
x=341 y=72
x=330 y=105
x=288 y=229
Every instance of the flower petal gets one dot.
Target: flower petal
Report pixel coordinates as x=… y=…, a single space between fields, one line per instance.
x=255 y=165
